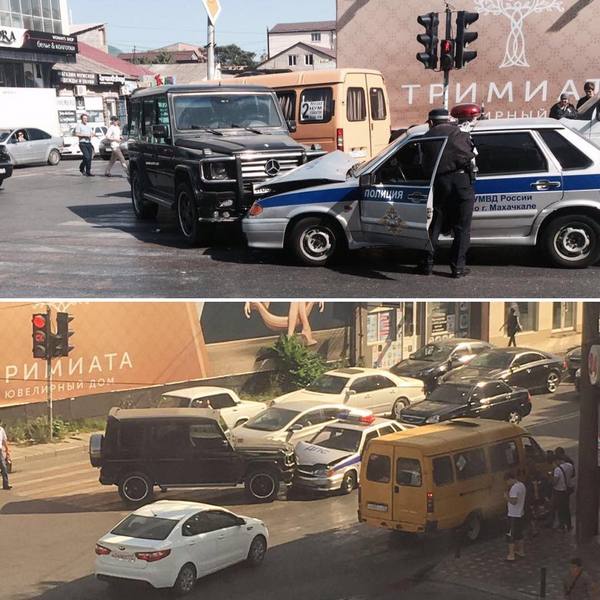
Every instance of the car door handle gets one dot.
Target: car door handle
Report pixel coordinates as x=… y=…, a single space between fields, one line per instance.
x=544 y=184
x=221 y=537
x=528 y=371
x=415 y=196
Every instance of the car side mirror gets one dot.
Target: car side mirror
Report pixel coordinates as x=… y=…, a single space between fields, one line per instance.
x=291 y=125
x=365 y=180
x=160 y=131
x=296 y=427
x=240 y=522
x=411 y=356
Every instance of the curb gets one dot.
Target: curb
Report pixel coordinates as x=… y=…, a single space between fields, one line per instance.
x=493 y=590
x=33 y=453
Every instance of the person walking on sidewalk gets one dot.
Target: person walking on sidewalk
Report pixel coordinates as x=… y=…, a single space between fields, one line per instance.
x=114 y=135
x=515 y=503
x=513 y=326
x=85 y=132
x=4 y=458
x=562 y=489
x=578 y=585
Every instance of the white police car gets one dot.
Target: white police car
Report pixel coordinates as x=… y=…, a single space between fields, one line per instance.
x=538 y=185
x=331 y=459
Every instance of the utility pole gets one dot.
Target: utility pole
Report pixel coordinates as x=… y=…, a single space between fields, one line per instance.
x=210 y=59
x=587 y=475
x=49 y=375
x=447 y=70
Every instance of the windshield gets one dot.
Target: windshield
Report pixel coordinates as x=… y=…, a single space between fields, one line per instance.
x=328 y=384
x=4 y=135
x=432 y=353
x=492 y=360
x=337 y=438
x=363 y=167
x=226 y=111
x=146 y=528
x=272 y=419
x=450 y=394
x=173 y=402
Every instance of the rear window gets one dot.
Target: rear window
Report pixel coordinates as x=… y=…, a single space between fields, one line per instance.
x=378 y=108
x=378 y=468
x=173 y=402
x=408 y=472
x=470 y=463
x=356 y=105
x=568 y=155
x=316 y=105
x=442 y=471
x=145 y=528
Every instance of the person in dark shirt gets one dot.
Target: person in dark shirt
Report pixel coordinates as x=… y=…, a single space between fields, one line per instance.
x=453 y=193
x=563 y=109
x=589 y=90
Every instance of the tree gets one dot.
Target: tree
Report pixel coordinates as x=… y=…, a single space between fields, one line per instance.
x=233 y=56
x=517 y=11
x=163 y=58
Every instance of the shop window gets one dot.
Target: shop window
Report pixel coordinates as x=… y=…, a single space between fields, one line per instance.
x=563 y=315
x=527 y=313
x=5 y=19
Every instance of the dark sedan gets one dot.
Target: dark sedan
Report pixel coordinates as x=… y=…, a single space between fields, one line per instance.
x=493 y=399
x=6 y=166
x=573 y=361
x=433 y=360
x=521 y=367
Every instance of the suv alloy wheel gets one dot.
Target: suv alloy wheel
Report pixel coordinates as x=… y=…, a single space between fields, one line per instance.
x=136 y=488
x=262 y=485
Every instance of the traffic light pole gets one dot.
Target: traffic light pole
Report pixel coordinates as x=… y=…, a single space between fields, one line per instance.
x=587 y=476
x=447 y=71
x=210 y=59
x=49 y=380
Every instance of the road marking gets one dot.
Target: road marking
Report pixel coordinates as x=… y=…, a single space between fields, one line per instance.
x=27 y=482
x=560 y=419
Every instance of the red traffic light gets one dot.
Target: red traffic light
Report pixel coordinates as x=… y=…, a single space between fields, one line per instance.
x=39 y=337
x=39 y=321
x=446 y=46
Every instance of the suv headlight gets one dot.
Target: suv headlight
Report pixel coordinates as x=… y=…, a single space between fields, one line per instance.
x=219 y=170
x=434 y=419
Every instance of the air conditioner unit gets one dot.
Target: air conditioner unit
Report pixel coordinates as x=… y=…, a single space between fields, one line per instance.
x=80 y=90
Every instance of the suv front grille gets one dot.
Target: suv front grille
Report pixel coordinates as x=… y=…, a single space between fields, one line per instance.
x=412 y=419
x=254 y=166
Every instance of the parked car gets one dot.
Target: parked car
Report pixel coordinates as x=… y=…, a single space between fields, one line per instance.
x=6 y=166
x=71 y=146
x=519 y=367
x=37 y=146
x=105 y=150
x=577 y=381
x=376 y=390
x=330 y=461
x=171 y=544
x=493 y=399
x=231 y=409
x=288 y=422
x=177 y=447
x=573 y=361
x=431 y=361
x=532 y=190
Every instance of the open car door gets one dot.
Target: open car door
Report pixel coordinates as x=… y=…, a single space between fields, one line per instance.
x=396 y=194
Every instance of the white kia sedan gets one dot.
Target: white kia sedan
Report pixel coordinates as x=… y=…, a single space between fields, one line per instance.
x=171 y=544
x=376 y=390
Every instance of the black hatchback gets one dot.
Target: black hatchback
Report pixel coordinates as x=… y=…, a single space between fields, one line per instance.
x=492 y=399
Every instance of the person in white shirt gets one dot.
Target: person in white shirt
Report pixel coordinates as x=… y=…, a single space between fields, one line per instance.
x=515 y=503
x=114 y=135
x=4 y=456
x=562 y=487
x=85 y=132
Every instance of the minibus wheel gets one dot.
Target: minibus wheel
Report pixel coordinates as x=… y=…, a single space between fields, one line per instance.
x=472 y=527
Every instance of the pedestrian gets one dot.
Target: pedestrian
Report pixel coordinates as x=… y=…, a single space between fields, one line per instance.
x=536 y=500
x=85 y=133
x=563 y=109
x=589 y=89
x=512 y=326
x=515 y=496
x=115 y=136
x=4 y=458
x=562 y=487
x=578 y=585
x=453 y=193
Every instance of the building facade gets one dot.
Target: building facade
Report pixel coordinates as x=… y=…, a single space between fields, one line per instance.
x=282 y=36
x=300 y=57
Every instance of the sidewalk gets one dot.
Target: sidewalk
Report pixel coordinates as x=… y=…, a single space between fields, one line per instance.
x=481 y=567
x=22 y=455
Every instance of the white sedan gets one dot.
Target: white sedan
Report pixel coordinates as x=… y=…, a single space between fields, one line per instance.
x=377 y=390
x=232 y=410
x=171 y=544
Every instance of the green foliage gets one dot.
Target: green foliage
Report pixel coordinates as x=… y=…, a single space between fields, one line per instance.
x=37 y=431
x=297 y=365
x=233 y=56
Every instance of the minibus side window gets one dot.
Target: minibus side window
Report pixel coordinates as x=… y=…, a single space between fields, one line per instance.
x=470 y=463
x=287 y=99
x=378 y=468
x=356 y=105
x=533 y=450
x=503 y=456
x=442 y=471
x=378 y=108
x=316 y=105
x=408 y=472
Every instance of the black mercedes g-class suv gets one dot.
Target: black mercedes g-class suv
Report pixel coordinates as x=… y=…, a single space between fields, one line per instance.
x=180 y=448
x=6 y=166
x=200 y=149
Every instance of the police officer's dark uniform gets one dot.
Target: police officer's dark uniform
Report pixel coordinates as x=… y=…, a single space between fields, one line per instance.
x=453 y=193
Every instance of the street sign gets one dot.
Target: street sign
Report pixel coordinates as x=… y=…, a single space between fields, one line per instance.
x=594 y=365
x=213 y=8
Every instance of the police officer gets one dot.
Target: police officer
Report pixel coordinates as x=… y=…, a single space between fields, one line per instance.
x=453 y=194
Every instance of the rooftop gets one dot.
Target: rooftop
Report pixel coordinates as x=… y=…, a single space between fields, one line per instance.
x=306 y=26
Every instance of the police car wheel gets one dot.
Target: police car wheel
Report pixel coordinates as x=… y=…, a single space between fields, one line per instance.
x=572 y=241
x=142 y=209
x=187 y=215
x=348 y=483
x=315 y=241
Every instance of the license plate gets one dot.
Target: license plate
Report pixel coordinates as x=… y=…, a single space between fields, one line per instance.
x=377 y=507
x=123 y=556
x=2 y=170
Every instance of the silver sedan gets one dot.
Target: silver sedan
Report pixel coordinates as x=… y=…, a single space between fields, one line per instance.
x=29 y=146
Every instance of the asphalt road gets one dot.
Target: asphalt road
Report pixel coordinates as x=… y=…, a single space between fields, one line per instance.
x=57 y=510
x=63 y=235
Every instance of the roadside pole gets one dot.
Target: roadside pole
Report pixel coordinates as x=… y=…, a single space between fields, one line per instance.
x=210 y=59
x=49 y=378
x=447 y=71
x=587 y=475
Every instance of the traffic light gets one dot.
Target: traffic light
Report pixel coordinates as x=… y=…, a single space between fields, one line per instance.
x=60 y=340
x=447 y=55
x=464 y=38
x=41 y=334
x=429 y=39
